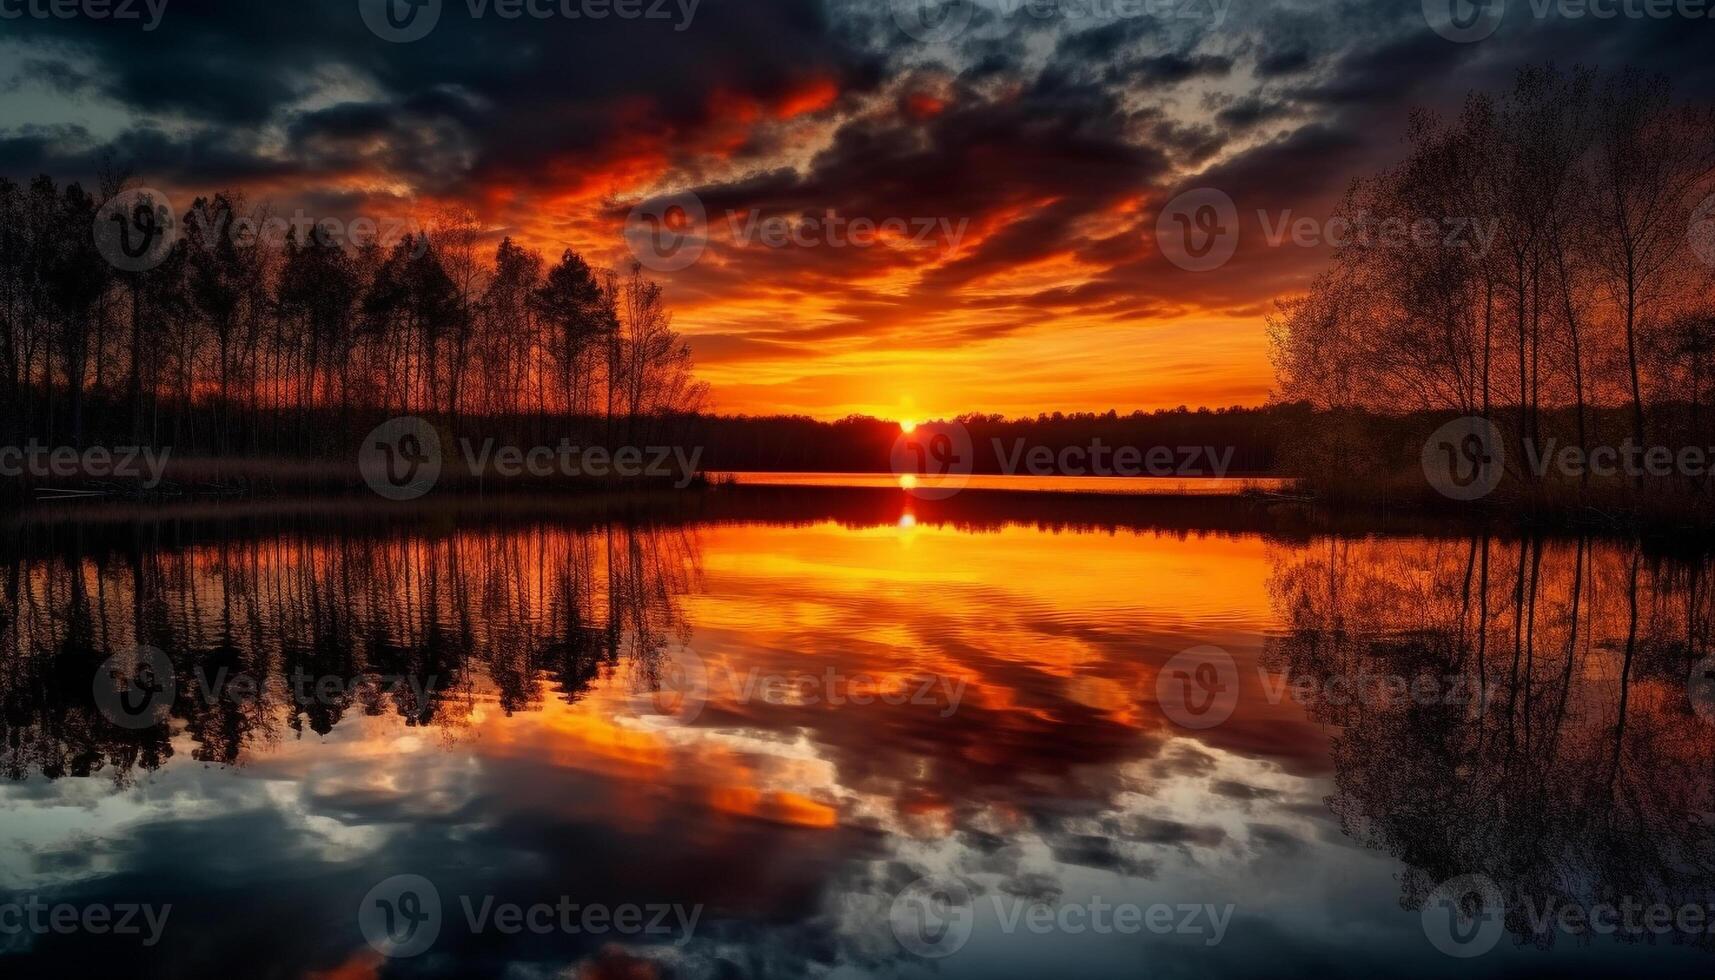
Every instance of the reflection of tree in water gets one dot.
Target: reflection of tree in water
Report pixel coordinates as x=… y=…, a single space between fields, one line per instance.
x=323 y=625
x=1583 y=777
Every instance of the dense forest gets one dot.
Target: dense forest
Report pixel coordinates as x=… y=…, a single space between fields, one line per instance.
x=1586 y=319
x=231 y=343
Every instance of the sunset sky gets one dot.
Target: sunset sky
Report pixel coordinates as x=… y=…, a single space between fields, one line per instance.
x=1047 y=143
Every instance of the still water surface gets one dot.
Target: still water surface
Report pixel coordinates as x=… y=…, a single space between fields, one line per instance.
x=763 y=718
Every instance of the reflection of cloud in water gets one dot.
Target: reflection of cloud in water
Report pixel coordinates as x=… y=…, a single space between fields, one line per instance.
x=528 y=776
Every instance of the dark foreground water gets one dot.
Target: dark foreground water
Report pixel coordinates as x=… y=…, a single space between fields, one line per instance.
x=789 y=732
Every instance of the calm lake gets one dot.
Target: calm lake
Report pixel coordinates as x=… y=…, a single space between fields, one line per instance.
x=789 y=731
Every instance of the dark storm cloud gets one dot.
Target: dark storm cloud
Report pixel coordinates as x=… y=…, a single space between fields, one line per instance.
x=1288 y=61
x=522 y=91
x=1052 y=138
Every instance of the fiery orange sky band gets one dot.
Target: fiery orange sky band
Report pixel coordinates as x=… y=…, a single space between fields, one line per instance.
x=1051 y=144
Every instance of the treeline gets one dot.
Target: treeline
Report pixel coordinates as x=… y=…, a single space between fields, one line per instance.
x=865 y=445
x=1563 y=266
x=234 y=344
